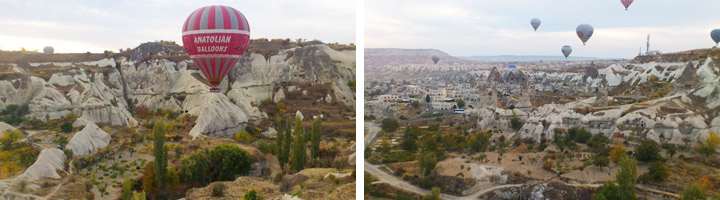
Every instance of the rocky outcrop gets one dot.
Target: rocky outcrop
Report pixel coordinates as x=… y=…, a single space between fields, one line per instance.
x=46 y=165
x=88 y=140
x=157 y=75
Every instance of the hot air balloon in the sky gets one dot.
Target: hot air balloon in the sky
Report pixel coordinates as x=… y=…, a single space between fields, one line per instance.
x=626 y=3
x=584 y=32
x=216 y=37
x=49 y=50
x=715 y=34
x=512 y=66
x=566 y=50
x=535 y=22
x=435 y=59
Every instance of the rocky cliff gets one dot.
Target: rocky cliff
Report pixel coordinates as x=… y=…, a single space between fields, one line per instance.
x=103 y=88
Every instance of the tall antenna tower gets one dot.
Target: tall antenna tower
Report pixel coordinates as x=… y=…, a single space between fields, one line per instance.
x=647 y=50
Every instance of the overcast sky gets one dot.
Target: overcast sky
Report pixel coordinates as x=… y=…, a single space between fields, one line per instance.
x=502 y=27
x=89 y=25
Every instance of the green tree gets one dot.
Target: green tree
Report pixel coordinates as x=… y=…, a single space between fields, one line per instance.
x=480 y=142
x=251 y=195
x=160 y=153
x=658 y=172
x=626 y=178
x=427 y=162
x=139 y=195
x=694 y=191
x=427 y=98
x=195 y=167
x=66 y=127
x=460 y=103
x=389 y=125
x=705 y=149
x=279 y=142
x=601 y=161
x=669 y=149
x=9 y=138
x=299 y=151
x=410 y=136
x=515 y=122
x=315 y=139
x=287 y=144
x=433 y=195
x=648 y=151
x=228 y=161
x=609 y=190
x=127 y=189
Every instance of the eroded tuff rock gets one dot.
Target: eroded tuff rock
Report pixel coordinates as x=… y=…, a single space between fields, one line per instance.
x=46 y=165
x=88 y=140
x=155 y=75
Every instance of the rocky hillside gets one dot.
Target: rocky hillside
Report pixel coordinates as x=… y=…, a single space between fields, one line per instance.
x=672 y=98
x=104 y=88
x=378 y=57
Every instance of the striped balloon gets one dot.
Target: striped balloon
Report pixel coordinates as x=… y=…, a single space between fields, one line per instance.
x=535 y=22
x=216 y=37
x=626 y=3
x=715 y=34
x=584 y=32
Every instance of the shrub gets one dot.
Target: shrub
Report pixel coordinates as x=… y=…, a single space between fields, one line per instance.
x=390 y=125
x=229 y=161
x=66 y=127
x=648 y=151
x=243 y=136
x=218 y=189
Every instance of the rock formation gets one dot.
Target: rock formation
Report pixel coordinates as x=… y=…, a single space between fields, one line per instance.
x=89 y=139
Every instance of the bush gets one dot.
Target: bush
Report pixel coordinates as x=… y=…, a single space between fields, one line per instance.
x=218 y=189
x=648 y=151
x=390 y=125
x=243 y=136
x=66 y=127
x=228 y=161
x=13 y=114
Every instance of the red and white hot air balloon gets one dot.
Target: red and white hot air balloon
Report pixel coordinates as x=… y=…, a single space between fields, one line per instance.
x=216 y=37
x=626 y=3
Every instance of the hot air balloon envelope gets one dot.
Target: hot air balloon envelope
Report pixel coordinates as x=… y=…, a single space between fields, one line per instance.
x=216 y=37
x=49 y=50
x=512 y=67
x=715 y=34
x=566 y=50
x=435 y=59
x=626 y=3
x=584 y=32
x=535 y=22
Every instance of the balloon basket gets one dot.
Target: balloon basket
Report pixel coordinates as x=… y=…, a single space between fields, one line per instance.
x=215 y=90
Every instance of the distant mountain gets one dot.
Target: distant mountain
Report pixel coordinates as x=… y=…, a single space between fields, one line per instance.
x=383 y=56
x=514 y=58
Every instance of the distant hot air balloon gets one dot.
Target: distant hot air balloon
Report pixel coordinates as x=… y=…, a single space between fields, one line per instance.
x=535 y=22
x=435 y=59
x=584 y=32
x=216 y=37
x=626 y=3
x=512 y=67
x=715 y=34
x=566 y=50
x=49 y=50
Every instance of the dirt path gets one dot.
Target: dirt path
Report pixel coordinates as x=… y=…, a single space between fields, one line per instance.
x=57 y=188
